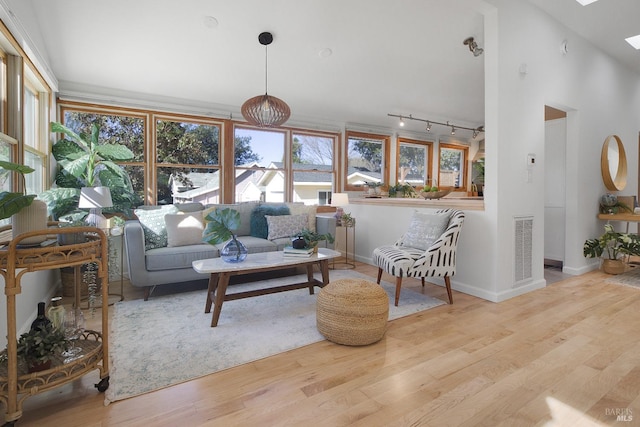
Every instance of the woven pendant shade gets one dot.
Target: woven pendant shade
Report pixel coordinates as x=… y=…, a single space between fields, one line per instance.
x=265 y=111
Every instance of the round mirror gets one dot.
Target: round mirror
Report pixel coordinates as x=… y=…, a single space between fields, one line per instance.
x=613 y=163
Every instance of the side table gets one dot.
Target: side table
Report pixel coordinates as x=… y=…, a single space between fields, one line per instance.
x=347 y=263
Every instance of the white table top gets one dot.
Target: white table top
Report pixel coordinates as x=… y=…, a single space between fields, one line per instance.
x=261 y=260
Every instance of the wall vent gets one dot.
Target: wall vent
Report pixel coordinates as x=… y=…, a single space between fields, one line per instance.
x=523 y=253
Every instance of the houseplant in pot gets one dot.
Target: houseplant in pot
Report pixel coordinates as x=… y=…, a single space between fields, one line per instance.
x=311 y=238
x=612 y=247
x=26 y=213
x=39 y=346
x=220 y=228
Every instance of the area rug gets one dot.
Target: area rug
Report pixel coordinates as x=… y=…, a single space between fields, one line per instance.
x=628 y=278
x=168 y=339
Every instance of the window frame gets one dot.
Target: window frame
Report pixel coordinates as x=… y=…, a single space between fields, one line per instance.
x=385 y=163
x=465 y=168
x=429 y=150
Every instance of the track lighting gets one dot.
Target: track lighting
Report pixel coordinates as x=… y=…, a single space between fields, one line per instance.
x=473 y=46
x=476 y=131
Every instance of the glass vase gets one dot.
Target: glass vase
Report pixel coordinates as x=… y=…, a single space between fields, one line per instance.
x=233 y=251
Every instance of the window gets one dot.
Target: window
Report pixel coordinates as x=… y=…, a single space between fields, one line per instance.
x=188 y=156
x=260 y=165
x=452 y=172
x=34 y=125
x=414 y=162
x=312 y=164
x=367 y=159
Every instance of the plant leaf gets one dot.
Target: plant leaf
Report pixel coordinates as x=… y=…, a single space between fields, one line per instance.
x=12 y=203
x=115 y=152
x=60 y=128
x=220 y=225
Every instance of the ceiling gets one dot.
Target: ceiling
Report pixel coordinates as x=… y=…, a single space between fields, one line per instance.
x=402 y=57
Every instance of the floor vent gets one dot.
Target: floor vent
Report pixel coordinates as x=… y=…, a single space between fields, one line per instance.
x=523 y=253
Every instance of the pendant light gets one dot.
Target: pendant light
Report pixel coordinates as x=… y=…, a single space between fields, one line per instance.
x=265 y=110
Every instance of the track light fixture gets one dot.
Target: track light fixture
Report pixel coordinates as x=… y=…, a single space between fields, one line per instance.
x=401 y=122
x=473 y=46
x=476 y=131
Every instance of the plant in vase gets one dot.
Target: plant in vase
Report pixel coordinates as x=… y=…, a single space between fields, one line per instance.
x=612 y=246
x=38 y=347
x=26 y=212
x=311 y=238
x=220 y=228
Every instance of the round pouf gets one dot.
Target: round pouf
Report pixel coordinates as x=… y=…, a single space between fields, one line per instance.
x=352 y=312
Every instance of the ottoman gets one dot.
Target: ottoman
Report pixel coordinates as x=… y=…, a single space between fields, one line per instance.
x=352 y=312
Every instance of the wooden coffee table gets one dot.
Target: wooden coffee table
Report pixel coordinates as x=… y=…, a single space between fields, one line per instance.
x=220 y=272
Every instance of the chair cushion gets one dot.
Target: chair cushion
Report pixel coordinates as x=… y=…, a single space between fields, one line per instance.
x=179 y=257
x=184 y=229
x=244 y=209
x=425 y=229
x=285 y=225
x=153 y=224
x=396 y=260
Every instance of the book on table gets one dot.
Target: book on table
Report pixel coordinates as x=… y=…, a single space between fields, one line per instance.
x=291 y=251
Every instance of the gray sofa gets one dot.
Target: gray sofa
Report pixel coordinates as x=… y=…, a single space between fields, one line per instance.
x=151 y=261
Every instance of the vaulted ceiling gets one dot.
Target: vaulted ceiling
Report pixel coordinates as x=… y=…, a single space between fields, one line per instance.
x=332 y=61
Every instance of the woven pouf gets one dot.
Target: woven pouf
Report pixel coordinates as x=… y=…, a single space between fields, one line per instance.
x=352 y=312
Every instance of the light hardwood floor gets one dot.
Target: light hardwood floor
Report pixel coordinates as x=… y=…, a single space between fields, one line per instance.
x=566 y=355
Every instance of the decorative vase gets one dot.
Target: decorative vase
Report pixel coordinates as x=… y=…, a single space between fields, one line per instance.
x=613 y=266
x=31 y=218
x=233 y=251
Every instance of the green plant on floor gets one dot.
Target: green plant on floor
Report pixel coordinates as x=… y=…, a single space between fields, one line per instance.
x=84 y=162
x=612 y=244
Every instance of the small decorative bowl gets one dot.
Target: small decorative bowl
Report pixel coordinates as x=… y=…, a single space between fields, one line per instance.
x=434 y=194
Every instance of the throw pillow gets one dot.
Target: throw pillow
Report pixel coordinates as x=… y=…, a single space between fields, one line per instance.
x=286 y=225
x=184 y=229
x=259 y=226
x=152 y=220
x=310 y=210
x=425 y=229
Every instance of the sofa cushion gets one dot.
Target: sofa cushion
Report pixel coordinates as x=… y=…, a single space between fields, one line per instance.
x=259 y=226
x=153 y=225
x=286 y=225
x=179 y=257
x=184 y=228
x=425 y=229
x=310 y=210
x=244 y=209
x=254 y=245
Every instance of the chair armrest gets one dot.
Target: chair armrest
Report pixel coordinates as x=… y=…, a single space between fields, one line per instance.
x=135 y=250
x=324 y=225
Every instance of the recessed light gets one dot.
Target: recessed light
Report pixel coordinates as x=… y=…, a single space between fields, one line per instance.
x=586 y=2
x=210 y=22
x=634 y=41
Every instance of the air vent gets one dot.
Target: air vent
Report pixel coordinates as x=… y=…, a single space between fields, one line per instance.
x=523 y=250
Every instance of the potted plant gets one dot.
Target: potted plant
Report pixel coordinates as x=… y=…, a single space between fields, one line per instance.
x=347 y=220
x=374 y=187
x=38 y=347
x=311 y=238
x=220 y=228
x=27 y=213
x=612 y=246
x=84 y=162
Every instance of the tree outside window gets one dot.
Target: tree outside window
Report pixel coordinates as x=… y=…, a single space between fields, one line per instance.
x=414 y=162
x=367 y=159
x=452 y=171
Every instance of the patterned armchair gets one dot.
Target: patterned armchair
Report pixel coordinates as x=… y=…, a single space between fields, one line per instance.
x=428 y=249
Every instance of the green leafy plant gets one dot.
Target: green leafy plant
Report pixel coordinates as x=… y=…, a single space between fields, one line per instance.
x=84 y=162
x=220 y=226
x=311 y=238
x=612 y=244
x=13 y=202
x=347 y=220
x=41 y=344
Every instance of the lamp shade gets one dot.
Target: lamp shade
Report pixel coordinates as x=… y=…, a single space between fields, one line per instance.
x=95 y=197
x=339 y=199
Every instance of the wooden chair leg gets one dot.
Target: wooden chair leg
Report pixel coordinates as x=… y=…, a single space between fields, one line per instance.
x=447 y=282
x=422 y=279
x=379 y=274
x=398 y=286
x=147 y=292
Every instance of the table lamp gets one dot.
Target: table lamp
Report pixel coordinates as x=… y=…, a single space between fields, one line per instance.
x=95 y=198
x=339 y=200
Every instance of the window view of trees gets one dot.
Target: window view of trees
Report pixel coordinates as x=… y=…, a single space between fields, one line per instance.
x=366 y=159
x=452 y=166
x=414 y=162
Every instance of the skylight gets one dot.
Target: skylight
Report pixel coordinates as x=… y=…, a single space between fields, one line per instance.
x=634 y=41
x=586 y=2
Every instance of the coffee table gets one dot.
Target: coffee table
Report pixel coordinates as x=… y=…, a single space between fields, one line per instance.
x=220 y=272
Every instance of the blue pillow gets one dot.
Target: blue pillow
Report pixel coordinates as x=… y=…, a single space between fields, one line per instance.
x=259 y=225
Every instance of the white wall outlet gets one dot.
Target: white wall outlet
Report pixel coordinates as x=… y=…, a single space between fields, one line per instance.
x=531 y=160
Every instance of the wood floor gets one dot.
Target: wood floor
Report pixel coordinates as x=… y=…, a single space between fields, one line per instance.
x=566 y=355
